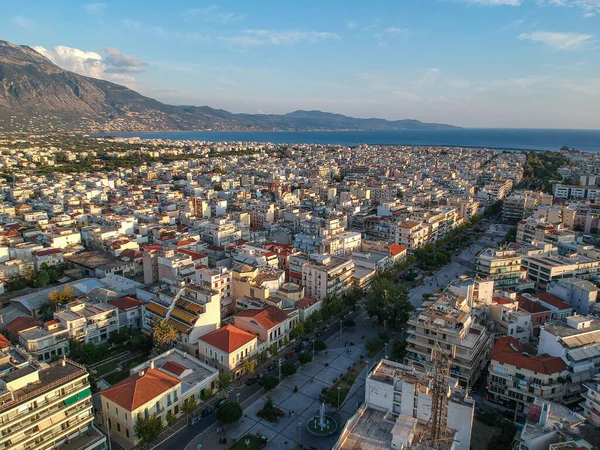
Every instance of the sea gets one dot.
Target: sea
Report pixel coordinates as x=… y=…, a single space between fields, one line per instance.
x=498 y=139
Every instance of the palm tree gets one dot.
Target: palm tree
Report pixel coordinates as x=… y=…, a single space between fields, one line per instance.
x=163 y=333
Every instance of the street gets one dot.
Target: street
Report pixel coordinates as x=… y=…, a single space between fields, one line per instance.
x=323 y=369
x=460 y=264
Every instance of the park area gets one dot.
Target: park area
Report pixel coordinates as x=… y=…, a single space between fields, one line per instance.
x=249 y=442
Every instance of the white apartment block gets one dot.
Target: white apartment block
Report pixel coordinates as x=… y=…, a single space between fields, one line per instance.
x=325 y=276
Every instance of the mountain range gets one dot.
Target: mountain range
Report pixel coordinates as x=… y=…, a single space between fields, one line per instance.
x=37 y=95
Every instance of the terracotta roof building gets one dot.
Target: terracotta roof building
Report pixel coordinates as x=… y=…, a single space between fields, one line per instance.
x=270 y=324
x=228 y=348
x=156 y=387
x=516 y=378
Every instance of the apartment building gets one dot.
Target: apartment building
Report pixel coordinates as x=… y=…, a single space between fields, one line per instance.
x=49 y=257
x=522 y=204
x=591 y=402
x=130 y=312
x=448 y=324
x=574 y=192
x=228 y=348
x=193 y=310
x=326 y=275
x=509 y=320
x=150 y=262
x=412 y=235
x=397 y=408
x=48 y=408
x=271 y=324
x=88 y=322
x=256 y=282
x=220 y=280
x=47 y=342
x=544 y=269
x=502 y=266
x=516 y=378
x=155 y=388
x=577 y=342
x=580 y=294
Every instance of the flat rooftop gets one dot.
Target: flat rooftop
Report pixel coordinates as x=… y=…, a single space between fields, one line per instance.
x=561 y=329
x=371 y=431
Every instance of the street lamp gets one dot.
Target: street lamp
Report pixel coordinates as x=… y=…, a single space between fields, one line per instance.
x=279 y=362
x=341 y=322
x=313 y=341
x=339 y=388
x=237 y=394
x=299 y=431
x=385 y=351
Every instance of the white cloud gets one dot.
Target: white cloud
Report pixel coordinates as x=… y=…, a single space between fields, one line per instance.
x=395 y=30
x=95 y=7
x=495 y=2
x=560 y=41
x=589 y=7
x=93 y=64
x=250 y=38
x=351 y=25
x=212 y=13
x=24 y=22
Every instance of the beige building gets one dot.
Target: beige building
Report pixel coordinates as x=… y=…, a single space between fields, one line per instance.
x=502 y=266
x=228 y=348
x=515 y=378
x=155 y=388
x=46 y=342
x=449 y=325
x=325 y=276
x=591 y=401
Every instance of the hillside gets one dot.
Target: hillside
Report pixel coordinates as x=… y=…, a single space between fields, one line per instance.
x=37 y=95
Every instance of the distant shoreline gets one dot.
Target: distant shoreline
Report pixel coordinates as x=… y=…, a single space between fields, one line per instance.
x=503 y=139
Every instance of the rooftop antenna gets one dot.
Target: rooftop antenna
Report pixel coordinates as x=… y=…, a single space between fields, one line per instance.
x=437 y=435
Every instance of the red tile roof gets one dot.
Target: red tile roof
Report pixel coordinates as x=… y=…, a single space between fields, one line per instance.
x=510 y=351
x=47 y=251
x=268 y=317
x=306 y=302
x=501 y=301
x=396 y=249
x=137 y=390
x=531 y=307
x=174 y=367
x=552 y=300
x=228 y=338
x=4 y=342
x=195 y=255
x=126 y=303
x=22 y=323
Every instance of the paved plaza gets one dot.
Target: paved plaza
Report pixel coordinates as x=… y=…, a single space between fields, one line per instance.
x=302 y=406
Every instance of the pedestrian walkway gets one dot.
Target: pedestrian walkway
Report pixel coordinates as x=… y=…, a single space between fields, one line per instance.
x=301 y=406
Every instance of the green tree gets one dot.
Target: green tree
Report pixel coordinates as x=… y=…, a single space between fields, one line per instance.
x=164 y=334
x=373 y=344
x=305 y=358
x=41 y=278
x=171 y=419
x=148 y=429
x=262 y=357
x=46 y=311
x=389 y=301
x=224 y=380
x=298 y=331
x=398 y=349
x=189 y=405
x=320 y=345
x=288 y=369
x=249 y=366
x=270 y=382
x=229 y=412
x=349 y=323
x=57 y=297
x=52 y=274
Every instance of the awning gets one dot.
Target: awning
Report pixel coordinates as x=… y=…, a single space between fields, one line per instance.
x=79 y=396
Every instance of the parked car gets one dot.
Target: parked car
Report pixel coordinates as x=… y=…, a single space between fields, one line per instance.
x=221 y=402
x=195 y=419
x=272 y=367
x=288 y=355
x=207 y=411
x=251 y=381
x=263 y=374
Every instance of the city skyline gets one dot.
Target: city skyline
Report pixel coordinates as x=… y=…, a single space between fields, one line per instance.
x=472 y=63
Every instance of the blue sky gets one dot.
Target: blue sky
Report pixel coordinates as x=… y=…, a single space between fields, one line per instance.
x=479 y=63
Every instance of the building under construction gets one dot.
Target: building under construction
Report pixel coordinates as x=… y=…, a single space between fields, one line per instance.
x=407 y=407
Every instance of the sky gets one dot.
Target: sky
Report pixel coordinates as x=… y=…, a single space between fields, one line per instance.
x=471 y=63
